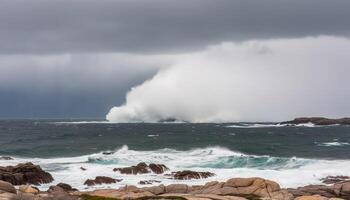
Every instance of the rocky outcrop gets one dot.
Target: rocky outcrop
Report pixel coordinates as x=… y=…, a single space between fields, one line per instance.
x=25 y=173
x=148 y=182
x=142 y=168
x=338 y=190
x=6 y=158
x=252 y=187
x=101 y=180
x=233 y=189
x=7 y=187
x=187 y=175
x=158 y=168
x=66 y=187
x=318 y=121
x=335 y=179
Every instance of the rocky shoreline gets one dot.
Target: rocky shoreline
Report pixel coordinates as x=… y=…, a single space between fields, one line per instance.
x=18 y=183
x=319 y=121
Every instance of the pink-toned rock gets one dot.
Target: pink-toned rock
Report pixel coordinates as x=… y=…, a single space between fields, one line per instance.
x=178 y=188
x=155 y=189
x=314 y=197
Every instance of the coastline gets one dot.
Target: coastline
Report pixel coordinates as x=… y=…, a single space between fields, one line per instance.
x=18 y=182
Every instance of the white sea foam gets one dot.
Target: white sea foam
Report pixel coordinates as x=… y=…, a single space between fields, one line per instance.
x=289 y=172
x=330 y=144
x=151 y=135
x=267 y=125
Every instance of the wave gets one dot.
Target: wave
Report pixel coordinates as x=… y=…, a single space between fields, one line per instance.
x=269 y=125
x=331 y=144
x=289 y=172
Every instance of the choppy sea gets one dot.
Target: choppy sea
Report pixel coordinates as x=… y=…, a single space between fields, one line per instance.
x=291 y=155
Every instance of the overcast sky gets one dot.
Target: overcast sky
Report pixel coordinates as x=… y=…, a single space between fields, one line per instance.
x=64 y=58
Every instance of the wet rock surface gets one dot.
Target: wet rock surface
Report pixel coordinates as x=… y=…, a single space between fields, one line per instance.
x=188 y=175
x=338 y=190
x=335 y=179
x=25 y=173
x=142 y=168
x=101 y=180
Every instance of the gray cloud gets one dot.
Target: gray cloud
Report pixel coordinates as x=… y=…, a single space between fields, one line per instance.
x=84 y=85
x=153 y=26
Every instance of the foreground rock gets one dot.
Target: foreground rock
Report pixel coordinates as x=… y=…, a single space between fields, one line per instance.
x=318 y=121
x=143 y=168
x=188 y=175
x=7 y=187
x=28 y=189
x=25 y=173
x=338 y=190
x=101 y=180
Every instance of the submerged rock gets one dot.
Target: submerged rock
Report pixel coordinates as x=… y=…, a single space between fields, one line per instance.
x=82 y=168
x=187 y=175
x=101 y=180
x=142 y=168
x=25 y=173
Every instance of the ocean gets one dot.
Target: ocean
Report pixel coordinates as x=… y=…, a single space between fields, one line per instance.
x=291 y=155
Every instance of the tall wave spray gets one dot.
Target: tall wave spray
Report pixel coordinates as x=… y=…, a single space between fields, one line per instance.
x=268 y=80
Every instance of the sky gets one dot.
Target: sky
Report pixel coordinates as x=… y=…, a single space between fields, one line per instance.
x=190 y=60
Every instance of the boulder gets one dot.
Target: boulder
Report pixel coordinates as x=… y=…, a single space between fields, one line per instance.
x=66 y=187
x=310 y=190
x=25 y=173
x=342 y=190
x=158 y=168
x=8 y=196
x=187 y=175
x=178 y=188
x=101 y=180
x=28 y=189
x=142 y=168
x=157 y=190
x=255 y=187
x=7 y=187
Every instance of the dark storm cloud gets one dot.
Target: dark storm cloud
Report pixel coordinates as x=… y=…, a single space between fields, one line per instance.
x=41 y=26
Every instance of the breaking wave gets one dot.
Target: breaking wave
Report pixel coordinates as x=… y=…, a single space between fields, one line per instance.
x=289 y=172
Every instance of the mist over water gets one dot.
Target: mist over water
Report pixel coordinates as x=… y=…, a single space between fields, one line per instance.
x=270 y=80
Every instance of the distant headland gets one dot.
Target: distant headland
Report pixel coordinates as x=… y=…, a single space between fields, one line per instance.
x=318 y=121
